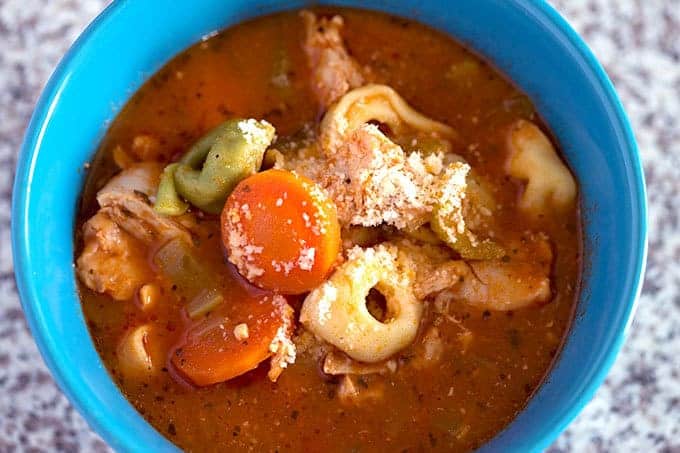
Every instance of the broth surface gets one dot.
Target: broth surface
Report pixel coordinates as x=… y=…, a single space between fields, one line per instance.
x=479 y=386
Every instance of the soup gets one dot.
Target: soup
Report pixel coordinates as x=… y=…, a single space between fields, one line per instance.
x=328 y=230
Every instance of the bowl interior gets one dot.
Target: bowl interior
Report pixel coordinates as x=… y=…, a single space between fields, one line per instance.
x=525 y=39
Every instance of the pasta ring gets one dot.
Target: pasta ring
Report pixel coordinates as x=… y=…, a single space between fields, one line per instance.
x=336 y=311
x=549 y=184
x=375 y=102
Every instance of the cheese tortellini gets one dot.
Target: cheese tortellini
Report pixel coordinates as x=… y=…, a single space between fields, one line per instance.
x=337 y=313
x=533 y=158
x=379 y=103
x=138 y=353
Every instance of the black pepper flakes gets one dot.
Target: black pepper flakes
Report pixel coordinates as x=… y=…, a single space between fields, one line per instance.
x=514 y=337
x=433 y=439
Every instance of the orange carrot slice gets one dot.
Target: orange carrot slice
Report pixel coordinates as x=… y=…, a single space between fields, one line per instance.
x=281 y=231
x=232 y=340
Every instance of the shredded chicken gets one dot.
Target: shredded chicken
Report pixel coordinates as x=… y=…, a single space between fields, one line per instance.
x=373 y=181
x=334 y=72
x=496 y=285
x=434 y=269
x=126 y=199
x=429 y=349
x=337 y=363
x=438 y=278
x=307 y=344
x=112 y=260
x=356 y=390
x=521 y=281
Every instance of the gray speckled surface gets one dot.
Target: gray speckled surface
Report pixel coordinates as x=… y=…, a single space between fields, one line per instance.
x=638 y=408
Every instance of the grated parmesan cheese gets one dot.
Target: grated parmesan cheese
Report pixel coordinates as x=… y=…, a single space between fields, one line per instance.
x=450 y=195
x=328 y=295
x=372 y=180
x=282 y=346
x=255 y=132
x=246 y=211
x=306 y=259
x=241 y=332
x=241 y=253
x=283 y=266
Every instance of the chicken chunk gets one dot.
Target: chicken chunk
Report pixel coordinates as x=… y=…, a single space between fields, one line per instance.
x=334 y=72
x=126 y=200
x=520 y=281
x=434 y=269
x=337 y=363
x=357 y=391
x=429 y=350
x=496 y=285
x=112 y=261
x=373 y=181
x=500 y=285
x=434 y=279
x=488 y=285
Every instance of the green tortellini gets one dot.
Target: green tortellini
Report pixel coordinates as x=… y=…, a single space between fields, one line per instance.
x=212 y=167
x=168 y=201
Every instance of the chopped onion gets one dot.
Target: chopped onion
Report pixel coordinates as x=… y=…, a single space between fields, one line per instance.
x=206 y=301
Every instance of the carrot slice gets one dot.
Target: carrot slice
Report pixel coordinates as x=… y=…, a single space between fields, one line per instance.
x=216 y=350
x=281 y=231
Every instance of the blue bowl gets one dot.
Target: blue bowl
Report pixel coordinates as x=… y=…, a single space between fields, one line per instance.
x=526 y=39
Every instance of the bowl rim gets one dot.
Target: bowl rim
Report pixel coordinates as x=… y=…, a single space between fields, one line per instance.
x=24 y=267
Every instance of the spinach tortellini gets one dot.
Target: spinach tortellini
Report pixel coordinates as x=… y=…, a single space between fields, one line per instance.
x=213 y=166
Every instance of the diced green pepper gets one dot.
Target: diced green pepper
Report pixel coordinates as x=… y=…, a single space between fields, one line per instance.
x=205 y=302
x=177 y=262
x=482 y=250
x=445 y=226
x=464 y=72
x=190 y=278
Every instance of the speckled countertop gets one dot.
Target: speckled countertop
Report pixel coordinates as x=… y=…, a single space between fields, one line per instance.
x=638 y=408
